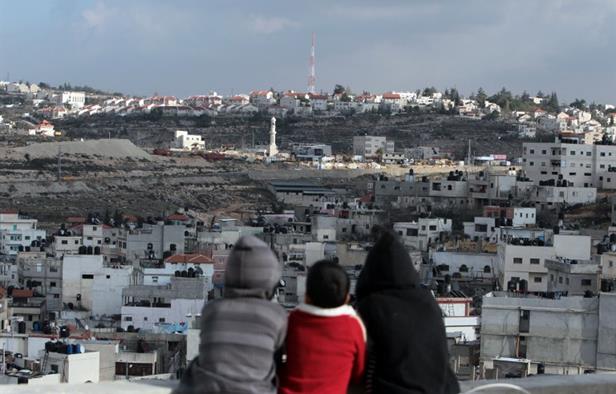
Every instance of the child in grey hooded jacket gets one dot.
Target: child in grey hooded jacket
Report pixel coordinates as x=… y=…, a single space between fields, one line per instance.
x=241 y=332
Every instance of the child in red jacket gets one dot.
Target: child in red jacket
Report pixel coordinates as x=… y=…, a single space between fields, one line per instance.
x=326 y=340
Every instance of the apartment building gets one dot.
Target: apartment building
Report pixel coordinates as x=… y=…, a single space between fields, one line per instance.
x=371 y=146
x=570 y=335
x=579 y=164
x=524 y=261
x=18 y=232
x=423 y=233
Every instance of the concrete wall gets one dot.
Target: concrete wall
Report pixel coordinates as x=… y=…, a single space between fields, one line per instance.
x=148 y=317
x=561 y=332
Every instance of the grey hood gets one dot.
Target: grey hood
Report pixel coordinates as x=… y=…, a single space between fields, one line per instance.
x=252 y=270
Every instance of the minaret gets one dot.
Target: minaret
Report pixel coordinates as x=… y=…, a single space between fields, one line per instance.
x=272 y=149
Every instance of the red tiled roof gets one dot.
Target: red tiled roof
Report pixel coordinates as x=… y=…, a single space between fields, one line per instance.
x=22 y=293
x=9 y=210
x=178 y=217
x=190 y=258
x=391 y=96
x=76 y=219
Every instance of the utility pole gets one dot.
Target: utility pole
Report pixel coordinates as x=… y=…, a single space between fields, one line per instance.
x=59 y=163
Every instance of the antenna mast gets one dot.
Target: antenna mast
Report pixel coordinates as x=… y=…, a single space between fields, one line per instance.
x=312 y=78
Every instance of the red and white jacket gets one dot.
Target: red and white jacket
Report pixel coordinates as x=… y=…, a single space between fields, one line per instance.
x=326 y=350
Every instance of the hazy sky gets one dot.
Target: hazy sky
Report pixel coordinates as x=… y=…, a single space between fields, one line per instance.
x=184 y=47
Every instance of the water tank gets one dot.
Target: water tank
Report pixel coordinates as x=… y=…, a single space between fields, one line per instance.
x=97 y=250
x=36 y=326
x=83 y=250
x=90 y=250
x=21 y=327
x=64 y=332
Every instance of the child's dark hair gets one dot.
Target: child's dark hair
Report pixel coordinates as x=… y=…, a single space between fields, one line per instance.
x=327 y=284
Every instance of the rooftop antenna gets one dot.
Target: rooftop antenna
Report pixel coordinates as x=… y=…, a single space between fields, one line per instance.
x=312 y=78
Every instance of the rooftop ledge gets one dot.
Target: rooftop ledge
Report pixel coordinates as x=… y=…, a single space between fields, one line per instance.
x=546 y=384
x=604 y=383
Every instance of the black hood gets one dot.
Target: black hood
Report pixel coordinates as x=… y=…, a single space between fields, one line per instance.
x=388 y=267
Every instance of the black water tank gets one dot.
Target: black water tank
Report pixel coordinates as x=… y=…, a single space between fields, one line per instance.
x=21 y=327
x=64 y=332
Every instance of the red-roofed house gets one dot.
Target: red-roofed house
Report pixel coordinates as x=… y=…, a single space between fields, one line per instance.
x=262 y=98
x=22 y=293
x=177 y=219
x=189 y=259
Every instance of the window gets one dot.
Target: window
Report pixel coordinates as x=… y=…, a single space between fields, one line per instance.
x=94 y=228
x=544 y=152
x=602 y=154
x=588 y=153
x=76 y=242
x=572 y=153
x=87 y=276
x=572 y=174
x=534 y=261
x=432 y=228
x=161 y=320
x=128 y=318
x=524 y=321
x=89 y=238
x=567 y=281
x=532 y=151
x=108 y=276
x=52 y=284
x=586 y=282
x=560 y=280
x=64 y=242
x=145 y=318
x=611 y=264
x=155 y=279
x=531 y=163
x=551 y=278
x=537 y=279
x=517 y=260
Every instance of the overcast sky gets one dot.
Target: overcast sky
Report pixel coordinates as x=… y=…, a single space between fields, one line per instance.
x=184 y=47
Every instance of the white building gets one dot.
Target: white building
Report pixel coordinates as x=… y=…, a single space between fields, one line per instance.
x=423 y=233
x=318 y=102
x=527 y=262
x=17 y=232
x=581 y=165
x=149 y=307
x=262 y=98
x=75 y=99
x=186 y=141
x=74 y=368
x=87 y=283
x=371 y=146
x=201 y=265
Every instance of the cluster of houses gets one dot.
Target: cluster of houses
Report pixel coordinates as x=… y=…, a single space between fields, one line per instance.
x=595 y=125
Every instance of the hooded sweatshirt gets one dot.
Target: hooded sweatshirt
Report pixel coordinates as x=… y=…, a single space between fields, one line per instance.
x=241 y=332
x=408 y=346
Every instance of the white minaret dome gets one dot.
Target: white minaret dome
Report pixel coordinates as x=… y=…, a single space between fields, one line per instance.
x=272 y=150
